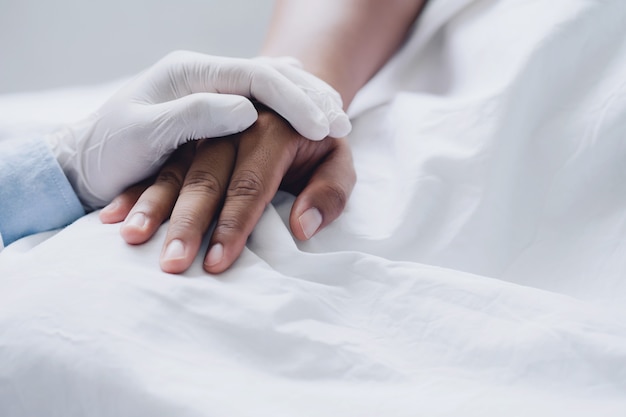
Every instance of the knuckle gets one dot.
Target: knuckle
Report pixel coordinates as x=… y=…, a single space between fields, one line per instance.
x=185 y=223
x=336 y=196
x=228 y=226
x=246 y=184
x=204 y=182
x=170 y=178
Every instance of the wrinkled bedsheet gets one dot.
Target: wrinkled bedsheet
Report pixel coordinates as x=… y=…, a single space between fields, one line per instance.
x=479 y=269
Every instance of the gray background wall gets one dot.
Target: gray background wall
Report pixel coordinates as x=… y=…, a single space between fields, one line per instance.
x=46 y=44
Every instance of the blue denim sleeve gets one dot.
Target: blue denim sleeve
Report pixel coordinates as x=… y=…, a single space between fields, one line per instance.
x=35 y=195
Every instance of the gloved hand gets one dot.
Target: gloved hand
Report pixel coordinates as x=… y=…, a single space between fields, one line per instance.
x=186 y=96
x=322 y=94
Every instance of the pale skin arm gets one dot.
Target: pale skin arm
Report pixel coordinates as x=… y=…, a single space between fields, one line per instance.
x=344 y=42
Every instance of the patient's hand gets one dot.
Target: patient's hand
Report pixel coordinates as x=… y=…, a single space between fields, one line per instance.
x=243 y=172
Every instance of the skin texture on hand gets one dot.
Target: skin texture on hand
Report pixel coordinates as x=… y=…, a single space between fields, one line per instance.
x=232 y=180
x=342 y=42
x=186 y=96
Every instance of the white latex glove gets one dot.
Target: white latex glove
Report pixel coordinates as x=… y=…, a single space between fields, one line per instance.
x=185 y=96
x=322 y=94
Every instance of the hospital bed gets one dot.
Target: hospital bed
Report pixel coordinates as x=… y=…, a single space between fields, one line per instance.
x=478 y=270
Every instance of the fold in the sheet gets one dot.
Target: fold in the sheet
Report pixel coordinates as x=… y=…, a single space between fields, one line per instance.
x=477 y=270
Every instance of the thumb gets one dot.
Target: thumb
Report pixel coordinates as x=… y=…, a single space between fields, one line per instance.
x=202 y=115
x=325 y=196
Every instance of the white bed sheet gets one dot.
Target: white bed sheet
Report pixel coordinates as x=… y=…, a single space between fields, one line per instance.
x=478 y=269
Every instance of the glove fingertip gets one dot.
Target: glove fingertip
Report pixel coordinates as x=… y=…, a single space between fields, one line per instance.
x=314 y=127
x=314 y=131
x=340 y=126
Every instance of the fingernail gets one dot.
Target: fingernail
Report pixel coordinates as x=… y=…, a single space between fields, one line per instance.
x=310 y=221
x=137 y=220
x=175 y=250
x=215 y=255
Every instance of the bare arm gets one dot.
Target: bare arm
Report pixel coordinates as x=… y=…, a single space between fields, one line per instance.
x=344 y=42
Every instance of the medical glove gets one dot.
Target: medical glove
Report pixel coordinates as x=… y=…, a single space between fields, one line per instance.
x=186 y=96
x=322 y=94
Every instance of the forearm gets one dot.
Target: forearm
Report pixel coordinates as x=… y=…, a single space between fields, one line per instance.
x=344 y=42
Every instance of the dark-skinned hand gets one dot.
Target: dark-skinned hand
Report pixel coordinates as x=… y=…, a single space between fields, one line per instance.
x=231 y=180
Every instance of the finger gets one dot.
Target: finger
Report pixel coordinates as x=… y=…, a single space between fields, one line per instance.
x=326 y=194
x=254 y=182
x=322 y=94
x=199 y=200
x=200 y=116
x=249 y=78
x=118 y=209
x=153 y=206
x=291 y=102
